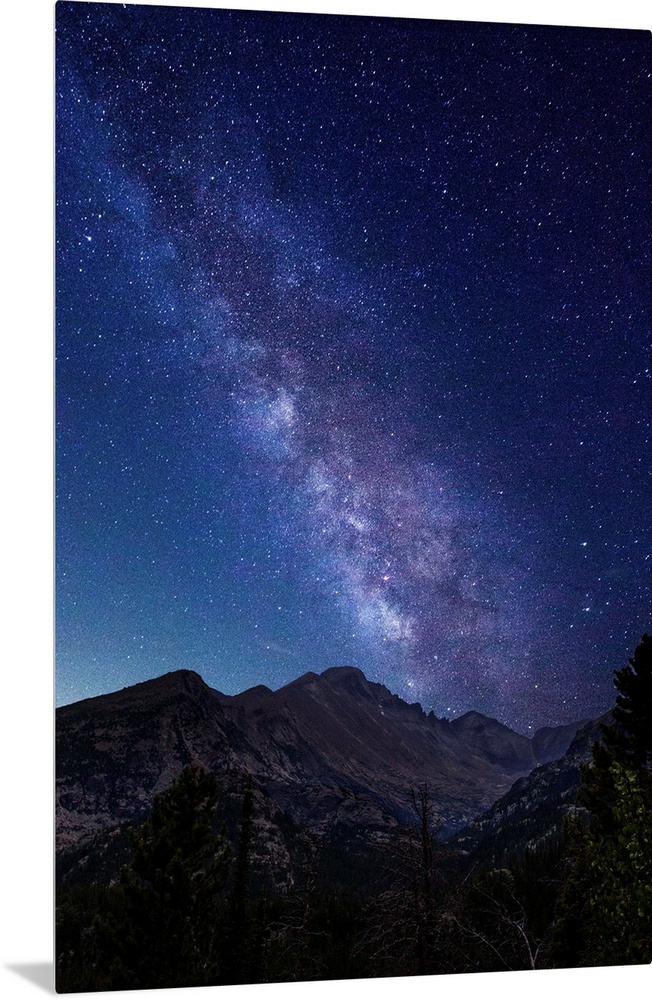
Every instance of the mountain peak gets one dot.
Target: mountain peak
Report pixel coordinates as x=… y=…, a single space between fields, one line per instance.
x=350 y=679
x=172 y=684
x=175 y=682
x=344 y=673
x=496 y=741
x=346 y=678
x=182 y=677
x=474 y=718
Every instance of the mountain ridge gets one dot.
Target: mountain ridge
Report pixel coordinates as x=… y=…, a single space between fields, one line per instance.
x=331 y=751
x=332 y=672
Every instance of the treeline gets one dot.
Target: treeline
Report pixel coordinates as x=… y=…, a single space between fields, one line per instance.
x=186 y=911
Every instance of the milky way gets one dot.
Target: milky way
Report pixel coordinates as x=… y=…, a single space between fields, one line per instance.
x=352 y=321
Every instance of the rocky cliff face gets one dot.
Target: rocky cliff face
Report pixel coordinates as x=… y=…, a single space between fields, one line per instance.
x=338 y=730
x=531 y=812
x=328 y=752
x=116 y=752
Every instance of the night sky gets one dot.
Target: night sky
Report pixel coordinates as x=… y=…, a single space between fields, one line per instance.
x=353 y=329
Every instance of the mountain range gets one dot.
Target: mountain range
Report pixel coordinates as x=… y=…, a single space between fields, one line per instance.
x=333 y=754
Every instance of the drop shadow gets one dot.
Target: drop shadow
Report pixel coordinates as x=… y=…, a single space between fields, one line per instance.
x=39 y=973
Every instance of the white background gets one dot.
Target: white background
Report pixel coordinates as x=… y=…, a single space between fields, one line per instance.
x=26 y=593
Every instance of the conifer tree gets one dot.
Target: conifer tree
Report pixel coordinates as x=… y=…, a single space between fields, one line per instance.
x=633 y=711
x=238 y=944
x=627 y=742
x=610 y=861
x=165 y=930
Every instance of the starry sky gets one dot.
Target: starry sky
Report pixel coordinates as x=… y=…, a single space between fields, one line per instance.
x=352 y=361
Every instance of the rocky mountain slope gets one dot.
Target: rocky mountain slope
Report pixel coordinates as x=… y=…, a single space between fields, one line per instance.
x=532 y=811
x=330 y=752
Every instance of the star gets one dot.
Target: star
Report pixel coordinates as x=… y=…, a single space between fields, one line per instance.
x=354 y=376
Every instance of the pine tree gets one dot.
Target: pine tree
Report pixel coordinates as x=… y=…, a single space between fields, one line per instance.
x=164 y=930
x=610 y=861
x=627 y=742
x=619 y=890
x=633 y=711
x=238 y=938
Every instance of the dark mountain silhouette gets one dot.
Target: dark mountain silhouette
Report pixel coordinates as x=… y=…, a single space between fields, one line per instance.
x=552 y=742
x=496 y=743
x=334 y=754
x=531 y=812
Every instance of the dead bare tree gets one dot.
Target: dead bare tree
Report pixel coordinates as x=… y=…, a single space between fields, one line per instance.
x=293 y=937
x=403 y=916
x=491 y=916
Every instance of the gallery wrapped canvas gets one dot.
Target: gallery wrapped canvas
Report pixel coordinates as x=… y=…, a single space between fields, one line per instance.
x=353 y=675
